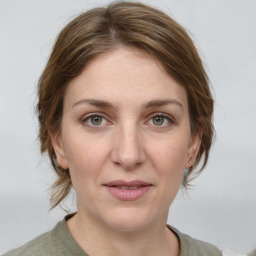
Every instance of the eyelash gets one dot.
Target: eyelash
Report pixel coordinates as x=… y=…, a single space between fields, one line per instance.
x=89 y=116
x=166 y=117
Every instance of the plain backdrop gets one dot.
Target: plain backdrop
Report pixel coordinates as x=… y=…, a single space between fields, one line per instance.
x=221 y=207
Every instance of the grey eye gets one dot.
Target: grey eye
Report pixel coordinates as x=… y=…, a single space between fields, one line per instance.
x=158 y=120
x=96 y=120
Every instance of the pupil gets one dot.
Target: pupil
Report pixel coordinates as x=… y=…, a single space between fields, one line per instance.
x=96 y=120
x=158 y=120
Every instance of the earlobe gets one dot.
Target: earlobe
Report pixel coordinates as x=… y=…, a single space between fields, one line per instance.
x=59 y=150
x=194 y=146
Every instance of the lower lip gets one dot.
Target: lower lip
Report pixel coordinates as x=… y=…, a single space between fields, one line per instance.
x=128 y=194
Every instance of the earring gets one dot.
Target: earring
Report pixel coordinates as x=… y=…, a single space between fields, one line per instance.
x=190 y=162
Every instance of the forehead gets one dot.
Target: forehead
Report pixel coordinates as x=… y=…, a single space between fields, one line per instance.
x=125 y=75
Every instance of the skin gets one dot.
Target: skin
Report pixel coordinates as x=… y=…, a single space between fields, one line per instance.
x=142 y=132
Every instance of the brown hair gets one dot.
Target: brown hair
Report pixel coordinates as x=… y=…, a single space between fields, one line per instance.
x=102 y=29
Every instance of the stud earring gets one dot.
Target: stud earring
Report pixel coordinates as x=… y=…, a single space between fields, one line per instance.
x=190 y=162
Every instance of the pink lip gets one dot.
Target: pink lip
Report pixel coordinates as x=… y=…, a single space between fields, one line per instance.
x=132 y=183
x=128 y=194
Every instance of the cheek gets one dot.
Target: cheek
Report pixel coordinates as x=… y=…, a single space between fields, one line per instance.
x=85 y=156
x=171 y=165
x=169 y=159
x=85 y=162
x=170 y=156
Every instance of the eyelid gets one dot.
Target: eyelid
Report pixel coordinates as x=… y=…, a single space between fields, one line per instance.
x=86 y=116
x=170 y=118
x=92 y=114
x=162 y=114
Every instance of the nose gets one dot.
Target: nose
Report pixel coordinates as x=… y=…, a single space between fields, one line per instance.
x=128 y=151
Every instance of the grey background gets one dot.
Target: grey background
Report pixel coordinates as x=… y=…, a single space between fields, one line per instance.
x=221 y=207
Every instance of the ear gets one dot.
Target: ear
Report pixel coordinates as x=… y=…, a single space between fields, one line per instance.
x=194 y=146
x=57 y=144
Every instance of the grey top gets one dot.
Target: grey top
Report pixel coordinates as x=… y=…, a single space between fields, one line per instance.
x=59 y=242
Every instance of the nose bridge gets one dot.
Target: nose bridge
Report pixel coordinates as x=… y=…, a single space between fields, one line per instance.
x=128 y=149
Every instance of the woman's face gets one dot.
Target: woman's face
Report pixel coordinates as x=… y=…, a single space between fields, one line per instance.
x=126 y=139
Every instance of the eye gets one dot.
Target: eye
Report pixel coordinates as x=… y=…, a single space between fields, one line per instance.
x=160 y=120
x=94 y=120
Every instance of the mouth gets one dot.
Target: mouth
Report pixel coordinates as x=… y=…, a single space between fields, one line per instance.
x=126 y=187
x=128 y=191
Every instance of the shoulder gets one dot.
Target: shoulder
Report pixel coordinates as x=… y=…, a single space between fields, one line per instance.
x=191 y=246
x=57 y=242
x=252 y=253
x=38 y=246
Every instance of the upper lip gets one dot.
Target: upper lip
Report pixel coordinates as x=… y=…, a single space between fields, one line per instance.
x=118 y=183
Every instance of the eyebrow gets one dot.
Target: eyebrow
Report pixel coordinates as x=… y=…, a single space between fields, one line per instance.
x=150 y=104
x=162 y=102
x=94 y=102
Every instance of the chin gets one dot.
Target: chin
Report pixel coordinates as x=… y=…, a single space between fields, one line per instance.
x=129 y=220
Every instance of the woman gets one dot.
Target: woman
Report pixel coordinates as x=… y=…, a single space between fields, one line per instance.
x=125 y=114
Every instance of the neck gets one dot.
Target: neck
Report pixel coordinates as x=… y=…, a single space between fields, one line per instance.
x=99 y=239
